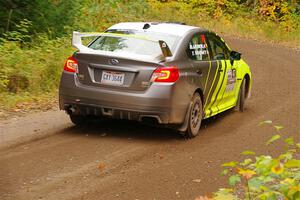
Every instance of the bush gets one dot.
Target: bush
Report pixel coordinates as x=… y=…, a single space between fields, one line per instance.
x=52 y=17
x=31 y=66
x=263 y=177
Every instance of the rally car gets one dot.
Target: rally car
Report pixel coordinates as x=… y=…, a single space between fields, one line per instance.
x=164 y=73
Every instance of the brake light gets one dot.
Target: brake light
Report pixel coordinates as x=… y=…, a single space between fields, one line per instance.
x=165 y=75
x=71 y=65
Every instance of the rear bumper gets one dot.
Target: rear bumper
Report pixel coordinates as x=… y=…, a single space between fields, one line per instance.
x=156 y=102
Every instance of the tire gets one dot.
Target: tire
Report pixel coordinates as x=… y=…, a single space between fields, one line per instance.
x=78 y=120
x=240 y=104
x=195 y=117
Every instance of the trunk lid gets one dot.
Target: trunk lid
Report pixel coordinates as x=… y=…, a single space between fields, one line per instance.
x=112 y=72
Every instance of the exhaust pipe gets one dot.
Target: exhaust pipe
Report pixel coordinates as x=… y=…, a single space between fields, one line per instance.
x=150 y=119
x=70 y=109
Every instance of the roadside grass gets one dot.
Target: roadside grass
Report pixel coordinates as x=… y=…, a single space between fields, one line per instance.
x=30 y=73
x=17 y=104
x=258 y=30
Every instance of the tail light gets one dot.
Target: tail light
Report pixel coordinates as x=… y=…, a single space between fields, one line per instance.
x=165 y=75
x=71 y=65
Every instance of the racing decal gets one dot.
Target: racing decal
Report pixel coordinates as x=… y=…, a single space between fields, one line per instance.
x=203 y=38
x=198 y=49
x=204 y=91
x=213 y=85
x=231 y=79
x=221 y=81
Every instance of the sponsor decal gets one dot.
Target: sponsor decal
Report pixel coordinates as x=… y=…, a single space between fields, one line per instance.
x=198 y=49
x=231 y=79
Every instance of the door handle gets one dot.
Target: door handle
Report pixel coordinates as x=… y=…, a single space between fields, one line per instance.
x=199 y=72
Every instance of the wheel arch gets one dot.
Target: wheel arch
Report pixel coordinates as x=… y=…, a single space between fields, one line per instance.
x=200 y=92
x=184 y=125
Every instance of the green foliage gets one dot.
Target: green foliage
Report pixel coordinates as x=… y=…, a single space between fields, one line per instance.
x=247 y=153
x=104 y=13
x=32 y=69
x=21 y=34
x=234 y=179
x=58 y=17
x=265 y=177
x=273 y=138
x=53 y=17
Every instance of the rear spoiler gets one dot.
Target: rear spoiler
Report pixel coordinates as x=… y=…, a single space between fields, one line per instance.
x=77 y=43
x=76 y=39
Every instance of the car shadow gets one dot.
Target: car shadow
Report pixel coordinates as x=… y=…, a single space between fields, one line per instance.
x=126 y=129
x=206 y=123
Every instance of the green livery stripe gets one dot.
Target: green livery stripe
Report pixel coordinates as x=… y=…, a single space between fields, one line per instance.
x=225 y=73
x=220 y=82
x=212 y=85
x=207 y=78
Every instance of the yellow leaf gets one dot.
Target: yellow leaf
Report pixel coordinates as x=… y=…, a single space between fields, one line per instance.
x=265 y=122
x=292 y=163
x=278 y=127
x=248 y=153
x=287 y=181
x=246 y=173
x=278 y=169
x=101 y=166
x=230 y=164
x=274 y=138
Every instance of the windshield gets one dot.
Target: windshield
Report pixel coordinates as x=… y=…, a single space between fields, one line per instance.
x=135 y=45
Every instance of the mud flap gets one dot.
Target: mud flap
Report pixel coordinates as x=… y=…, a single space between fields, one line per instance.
x=185 y=124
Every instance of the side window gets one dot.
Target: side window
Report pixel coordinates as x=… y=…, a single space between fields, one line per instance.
x=218 y=48
x=197 y=48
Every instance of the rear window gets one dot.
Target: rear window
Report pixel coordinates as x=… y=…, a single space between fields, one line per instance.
x=135 y=45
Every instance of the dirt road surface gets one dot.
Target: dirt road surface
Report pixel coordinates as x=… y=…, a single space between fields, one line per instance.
x=43 y=156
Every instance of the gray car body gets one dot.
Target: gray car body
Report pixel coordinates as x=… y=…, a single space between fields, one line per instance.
x=139 y=99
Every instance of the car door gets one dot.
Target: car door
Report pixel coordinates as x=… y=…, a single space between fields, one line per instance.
x=232 y=87
x=205 y=72
x=231 y=91
x=221 y=89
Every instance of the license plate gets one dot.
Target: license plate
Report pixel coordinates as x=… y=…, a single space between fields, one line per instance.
x=112 y=78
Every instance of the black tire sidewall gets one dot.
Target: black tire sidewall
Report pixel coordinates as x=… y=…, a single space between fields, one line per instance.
x=242 y=96
x=192 y=132
x=78 y=119
x=240 y=103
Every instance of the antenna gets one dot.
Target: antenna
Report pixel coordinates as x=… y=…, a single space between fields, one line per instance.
x=146 y=26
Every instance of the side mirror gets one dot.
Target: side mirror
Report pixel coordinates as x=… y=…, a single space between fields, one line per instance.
x=235 y=55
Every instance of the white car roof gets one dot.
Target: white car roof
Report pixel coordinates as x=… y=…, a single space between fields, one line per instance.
x=167 y=28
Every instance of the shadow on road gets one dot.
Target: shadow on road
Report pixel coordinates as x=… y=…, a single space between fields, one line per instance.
x=110 y=128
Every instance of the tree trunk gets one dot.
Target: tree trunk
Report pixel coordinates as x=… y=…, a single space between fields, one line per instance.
x=8 y=20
